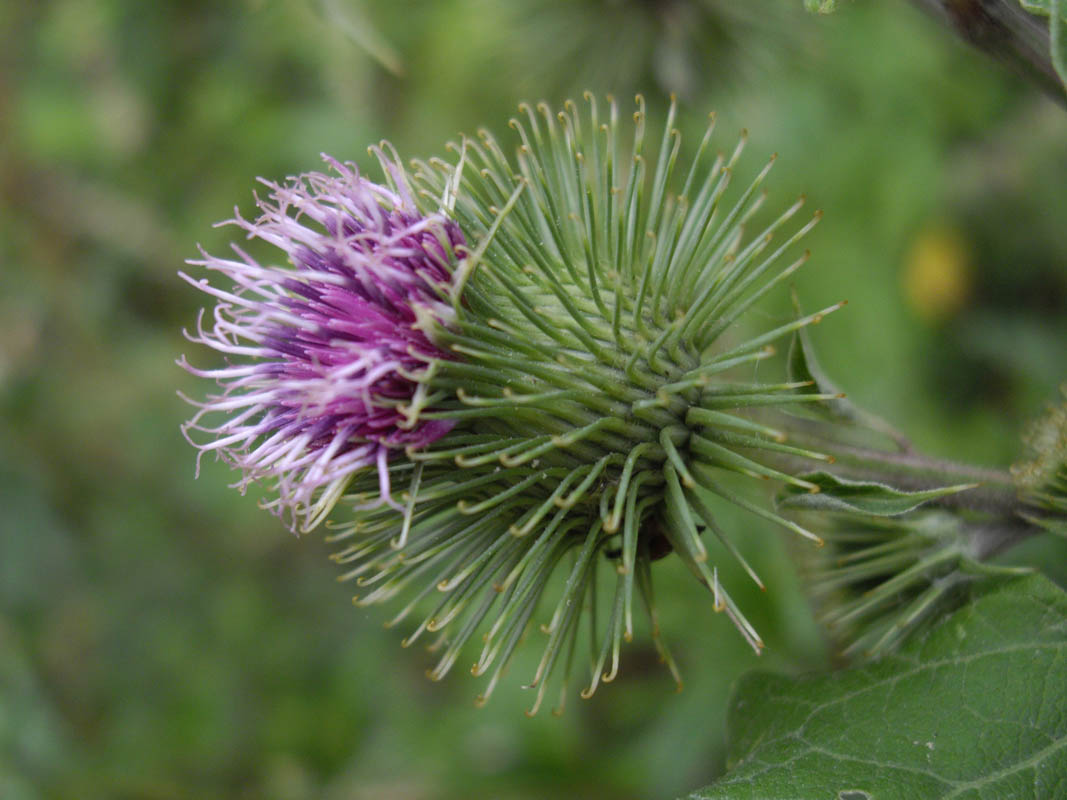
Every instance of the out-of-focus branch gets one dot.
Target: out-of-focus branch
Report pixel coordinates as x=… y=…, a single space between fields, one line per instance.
x=1007 y=32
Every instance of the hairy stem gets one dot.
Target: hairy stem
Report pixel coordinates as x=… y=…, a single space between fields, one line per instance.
x=990 y=539
x=911 y=471
x=995 y=503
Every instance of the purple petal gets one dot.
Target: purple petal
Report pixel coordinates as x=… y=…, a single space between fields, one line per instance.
x=317 y=350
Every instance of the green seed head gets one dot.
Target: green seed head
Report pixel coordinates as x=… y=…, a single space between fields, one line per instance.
x=599 y=387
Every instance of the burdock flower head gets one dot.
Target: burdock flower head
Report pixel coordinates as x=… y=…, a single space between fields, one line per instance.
x=325 y=353
x=528 y=360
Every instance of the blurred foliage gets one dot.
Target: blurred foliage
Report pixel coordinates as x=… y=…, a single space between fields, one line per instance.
x=163 y=638
x=821 y=6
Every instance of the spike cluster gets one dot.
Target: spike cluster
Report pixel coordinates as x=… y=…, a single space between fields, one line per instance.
x=595 y=382
x=880 y=578
x=1042 y=479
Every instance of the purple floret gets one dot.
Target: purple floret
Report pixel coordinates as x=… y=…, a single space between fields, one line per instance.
x=324 y=354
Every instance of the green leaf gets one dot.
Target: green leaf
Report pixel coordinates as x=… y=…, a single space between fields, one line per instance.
x=864 y=497
x=974 y=709
x=1057 y=39
x=802 y=367
x=1042 y=7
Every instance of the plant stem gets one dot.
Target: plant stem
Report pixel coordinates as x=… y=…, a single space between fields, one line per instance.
x=993 y=538
x=911 y=471
x=994 y=504
x=1004 y=30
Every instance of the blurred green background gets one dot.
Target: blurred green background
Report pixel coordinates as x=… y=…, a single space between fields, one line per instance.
x=161 y=637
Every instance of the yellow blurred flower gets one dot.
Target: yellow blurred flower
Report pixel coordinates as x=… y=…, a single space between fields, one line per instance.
x=937 y=273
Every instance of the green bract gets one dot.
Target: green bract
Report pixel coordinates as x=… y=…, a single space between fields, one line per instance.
x=596 y=389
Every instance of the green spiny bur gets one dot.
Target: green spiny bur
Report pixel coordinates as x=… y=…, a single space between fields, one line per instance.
x=591 y=391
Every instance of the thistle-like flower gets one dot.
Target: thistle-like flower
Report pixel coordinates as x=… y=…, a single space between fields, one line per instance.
x=324 y=354
x=569 y=388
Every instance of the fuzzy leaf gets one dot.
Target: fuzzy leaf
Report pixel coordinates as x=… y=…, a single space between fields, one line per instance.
x=820 y=6
x=865 y=497
x=974 y=709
